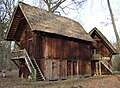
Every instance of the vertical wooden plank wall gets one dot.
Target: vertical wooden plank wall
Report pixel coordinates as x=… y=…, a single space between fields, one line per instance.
x=104 y=50
x=72 y=56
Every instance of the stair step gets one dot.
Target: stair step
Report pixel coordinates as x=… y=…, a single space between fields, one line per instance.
x=39 y=77
x=38 y=73
x=107 y=67
x=31 y=64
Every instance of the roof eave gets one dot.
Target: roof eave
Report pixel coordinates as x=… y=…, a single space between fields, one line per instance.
x=114 y=51
x=65 y=36
x=9 y=26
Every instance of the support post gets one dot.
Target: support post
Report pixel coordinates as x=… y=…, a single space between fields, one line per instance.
x=71 y=68
x=77 y=68
x=96 y=65
x=100 y=68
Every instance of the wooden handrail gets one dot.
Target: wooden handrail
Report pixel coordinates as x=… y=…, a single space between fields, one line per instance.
x=23 y=54
x=30 y=65
x=106 y=63
x=96 y=57
x=39 y=69
x=17 y=54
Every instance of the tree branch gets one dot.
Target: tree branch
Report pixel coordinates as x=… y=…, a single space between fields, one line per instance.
x=57 y=5
x=48 y=4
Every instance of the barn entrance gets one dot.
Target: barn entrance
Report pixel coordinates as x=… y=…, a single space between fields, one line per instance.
x=52 y=69
x=72 y=68
x=96 y=67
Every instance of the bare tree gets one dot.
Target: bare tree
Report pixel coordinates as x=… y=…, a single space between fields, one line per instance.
x=114 y=25
x=6 y=9
x=57 y=6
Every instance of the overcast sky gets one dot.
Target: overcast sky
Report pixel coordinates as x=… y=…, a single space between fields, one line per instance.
x=98 y=16
x=95 y=13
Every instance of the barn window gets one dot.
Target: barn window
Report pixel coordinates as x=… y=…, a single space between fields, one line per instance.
x=94 y=51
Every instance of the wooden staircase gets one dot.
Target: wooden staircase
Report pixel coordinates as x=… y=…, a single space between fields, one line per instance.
x=39 y=75
x=30 y=66
x=99 y=60
x=107 y=65
x=33 y=67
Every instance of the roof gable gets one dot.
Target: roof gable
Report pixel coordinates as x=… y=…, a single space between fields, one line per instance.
x=16 y=19
x=109 y=45
x=41 y=20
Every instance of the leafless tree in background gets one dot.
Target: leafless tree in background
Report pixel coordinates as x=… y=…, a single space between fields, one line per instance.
x=114 y=26
x=58 y=6
x=6 y=9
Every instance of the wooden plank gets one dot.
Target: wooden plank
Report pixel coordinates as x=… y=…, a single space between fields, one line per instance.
x=48 y=71
x=69 y=68
x=55 y=69
x=100 y=73
x=97 y=67
x=74 y=67
x=88 y=68
x=63 y=69
x=80 y=68
x=77 y=67
x=52 y=69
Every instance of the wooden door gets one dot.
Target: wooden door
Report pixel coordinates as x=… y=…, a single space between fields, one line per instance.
x=63 y=69
x=80 y=68
x=52 y=69
x=69 y=68
x=48 y=71
x=55 y=69
x=75 y=68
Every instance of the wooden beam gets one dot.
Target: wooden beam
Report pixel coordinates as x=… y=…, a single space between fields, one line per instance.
x=22 y=18
x=71 y=68
x=96 y=65
x=100 y=73
x=77 y=67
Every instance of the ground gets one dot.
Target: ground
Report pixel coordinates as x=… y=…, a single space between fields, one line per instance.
x=13 y=81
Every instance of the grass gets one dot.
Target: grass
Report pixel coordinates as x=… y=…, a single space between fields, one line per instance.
x=13 y=81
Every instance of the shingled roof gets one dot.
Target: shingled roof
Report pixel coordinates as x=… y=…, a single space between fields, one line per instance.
x=95 y=30
x=42 y=20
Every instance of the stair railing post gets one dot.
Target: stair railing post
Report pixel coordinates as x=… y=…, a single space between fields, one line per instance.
x=35 y=74
x=106 y=64
x=100 y=68
x=39 y=69
x=30 y=65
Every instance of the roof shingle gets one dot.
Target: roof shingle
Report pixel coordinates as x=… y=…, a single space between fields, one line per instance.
x=42 y=20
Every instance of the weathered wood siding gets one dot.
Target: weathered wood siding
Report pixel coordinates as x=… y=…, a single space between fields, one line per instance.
x=65 y=48
x=25 y=40
x=101 y=46
x=103 y=50
x=57 y=56
x=70 y=56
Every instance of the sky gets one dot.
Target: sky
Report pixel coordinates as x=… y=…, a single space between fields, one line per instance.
x=95 y=13
x=99 y=16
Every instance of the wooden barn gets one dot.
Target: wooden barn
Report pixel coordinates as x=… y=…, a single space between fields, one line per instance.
x=101 y=51
x=51 y=47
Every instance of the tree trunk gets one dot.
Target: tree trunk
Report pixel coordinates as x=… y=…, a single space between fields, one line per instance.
x=114 y=26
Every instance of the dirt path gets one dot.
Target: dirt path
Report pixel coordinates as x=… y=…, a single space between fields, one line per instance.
x=13 y=81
